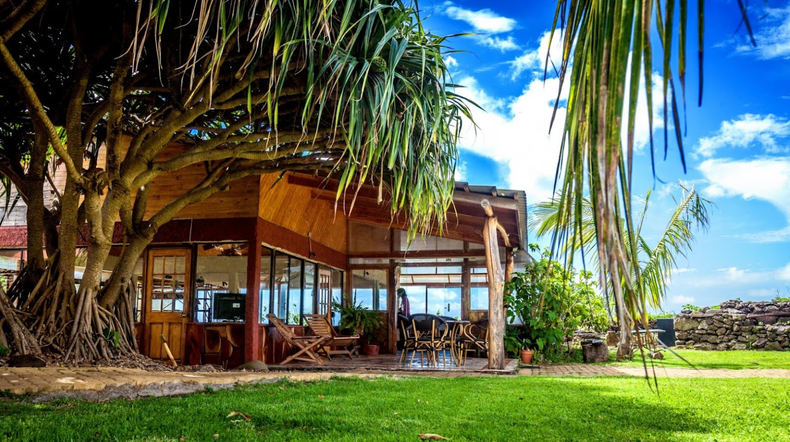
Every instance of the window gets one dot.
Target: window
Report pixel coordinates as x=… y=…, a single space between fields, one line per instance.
x=168 y=275
x=370 y=288
x=289 y=286
x=266 y=283
x=478 y=299
x=221 y=268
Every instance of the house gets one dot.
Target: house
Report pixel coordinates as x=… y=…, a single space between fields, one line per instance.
x=283 y=245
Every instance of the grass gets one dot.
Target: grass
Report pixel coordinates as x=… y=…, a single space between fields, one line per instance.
x=733 y=359
x=397 y=409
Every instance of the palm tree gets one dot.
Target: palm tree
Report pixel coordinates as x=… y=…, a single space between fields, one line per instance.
x=653 y=267
x=606 y=50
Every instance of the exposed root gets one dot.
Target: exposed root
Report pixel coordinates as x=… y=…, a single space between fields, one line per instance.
x=59 y=321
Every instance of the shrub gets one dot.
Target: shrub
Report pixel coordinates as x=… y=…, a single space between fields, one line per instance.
x=552 y=303
x=4 y=351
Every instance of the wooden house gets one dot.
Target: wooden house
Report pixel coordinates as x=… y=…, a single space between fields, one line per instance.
x=283 y=246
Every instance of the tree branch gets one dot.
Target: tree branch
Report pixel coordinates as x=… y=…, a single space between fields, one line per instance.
x=36 y=110
x=18 y=17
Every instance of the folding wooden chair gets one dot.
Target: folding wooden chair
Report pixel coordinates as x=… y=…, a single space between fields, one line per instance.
x=307 y=345
x=320 y=326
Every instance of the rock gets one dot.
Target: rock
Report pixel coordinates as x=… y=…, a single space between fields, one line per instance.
x=721 y=331
x=739 y=346
x=760 y=343
x=703 y=325
x=656 y=355
x=261 y=366
x=713 y=339
x=595 y=352
x=26 y=361
x=685 y=324
x=773 y=346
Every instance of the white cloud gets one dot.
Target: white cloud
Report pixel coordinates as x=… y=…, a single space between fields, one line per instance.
x=767 y=179
x=483 y=20
x=746 y=130
x=734 y=276
x=451 y=62
x=534 y=59
x=772 y=36
x=684 y=270
x=680 y=300
x=502 y=44
x=515 y=133
x=460 y=171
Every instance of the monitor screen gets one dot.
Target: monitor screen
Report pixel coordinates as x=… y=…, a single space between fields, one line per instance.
x=228 y=306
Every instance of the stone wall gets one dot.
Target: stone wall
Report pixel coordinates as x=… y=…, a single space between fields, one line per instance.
x=736 y=325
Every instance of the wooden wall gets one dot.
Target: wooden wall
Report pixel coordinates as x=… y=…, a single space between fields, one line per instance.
x=240 y=200
x=294 y=208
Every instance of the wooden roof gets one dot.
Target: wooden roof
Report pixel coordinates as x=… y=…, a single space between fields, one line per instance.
x=465 y=218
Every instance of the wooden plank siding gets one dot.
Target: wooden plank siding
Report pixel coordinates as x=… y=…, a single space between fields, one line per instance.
x=293 y=207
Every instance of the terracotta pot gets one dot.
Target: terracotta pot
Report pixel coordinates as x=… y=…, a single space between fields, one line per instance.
x=370 y=350
x=526 y=356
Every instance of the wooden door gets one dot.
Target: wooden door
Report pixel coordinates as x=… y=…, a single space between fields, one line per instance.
x=325 y=292
x=168 y=303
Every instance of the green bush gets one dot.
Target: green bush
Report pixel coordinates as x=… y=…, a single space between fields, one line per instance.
x=356 y=317
x=4 y=351
x=552 y=303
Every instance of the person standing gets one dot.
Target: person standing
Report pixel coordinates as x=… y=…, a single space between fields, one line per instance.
x=404 y=302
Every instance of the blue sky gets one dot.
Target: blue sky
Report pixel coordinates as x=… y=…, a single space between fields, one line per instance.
x=737 y=143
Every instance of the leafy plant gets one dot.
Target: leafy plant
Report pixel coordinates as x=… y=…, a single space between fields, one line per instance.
x=112 y=336
x=356 y=317
x=4 y=351
x=551 y=303
x=691 y=307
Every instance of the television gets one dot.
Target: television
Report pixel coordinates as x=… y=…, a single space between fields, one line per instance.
x=228 y=306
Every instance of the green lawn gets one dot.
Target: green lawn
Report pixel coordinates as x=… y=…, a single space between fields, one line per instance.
x=397 y=409
x=734 y=360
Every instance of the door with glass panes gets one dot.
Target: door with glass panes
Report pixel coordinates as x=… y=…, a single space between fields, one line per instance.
x=167 y=306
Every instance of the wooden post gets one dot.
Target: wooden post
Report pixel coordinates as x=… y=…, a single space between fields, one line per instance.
x=496 y=286
x=252 y=336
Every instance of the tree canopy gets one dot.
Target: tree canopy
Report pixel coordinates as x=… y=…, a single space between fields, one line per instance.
x=354 y=89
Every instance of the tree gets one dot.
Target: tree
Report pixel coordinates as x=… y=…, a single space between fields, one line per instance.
x=355 y=89
x=606 y=49
x=652 y=268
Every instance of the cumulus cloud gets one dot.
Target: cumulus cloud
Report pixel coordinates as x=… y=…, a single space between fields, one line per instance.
x=534 y=59
x=451 y=62
x=514 y=131
x=460 y=171
x=772 y=37
x=483 y=20
x=501 y=44
x=680 y=300
x=766 y=179
x=745 y=131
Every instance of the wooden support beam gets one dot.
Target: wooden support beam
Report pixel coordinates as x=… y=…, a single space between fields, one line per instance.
x=496 y=303
x=252 y=344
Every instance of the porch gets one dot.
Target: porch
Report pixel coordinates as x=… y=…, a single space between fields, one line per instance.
x=390 y=363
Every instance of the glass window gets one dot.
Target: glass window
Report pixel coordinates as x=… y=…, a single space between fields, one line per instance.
x=337 y=293
x=266 y=288
x=294 y=291
x=221 y=268
x=281 y=280
x=478 y=298
x=370 y=288
x=308 y=306
x=444 y=301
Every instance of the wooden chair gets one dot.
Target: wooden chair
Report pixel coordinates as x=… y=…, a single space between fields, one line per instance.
x=346 y=345
x=307 y=345
x=429 y=333
x=407 y=336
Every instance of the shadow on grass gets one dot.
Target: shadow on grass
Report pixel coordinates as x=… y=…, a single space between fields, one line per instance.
x=384 y=409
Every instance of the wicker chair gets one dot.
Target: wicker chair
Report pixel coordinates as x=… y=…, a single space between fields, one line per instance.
x=407 y=336
x=430 y=333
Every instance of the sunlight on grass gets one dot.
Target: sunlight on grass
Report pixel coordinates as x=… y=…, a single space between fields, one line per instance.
x=733 y=359
x=462 y=409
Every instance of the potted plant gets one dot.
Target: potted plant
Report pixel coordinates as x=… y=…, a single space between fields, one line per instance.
x=360 y=320
x=517 y=344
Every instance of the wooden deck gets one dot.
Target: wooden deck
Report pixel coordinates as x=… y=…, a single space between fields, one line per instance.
x=390 y=363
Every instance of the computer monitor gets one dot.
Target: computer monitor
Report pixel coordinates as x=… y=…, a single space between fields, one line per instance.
x=228 y=306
